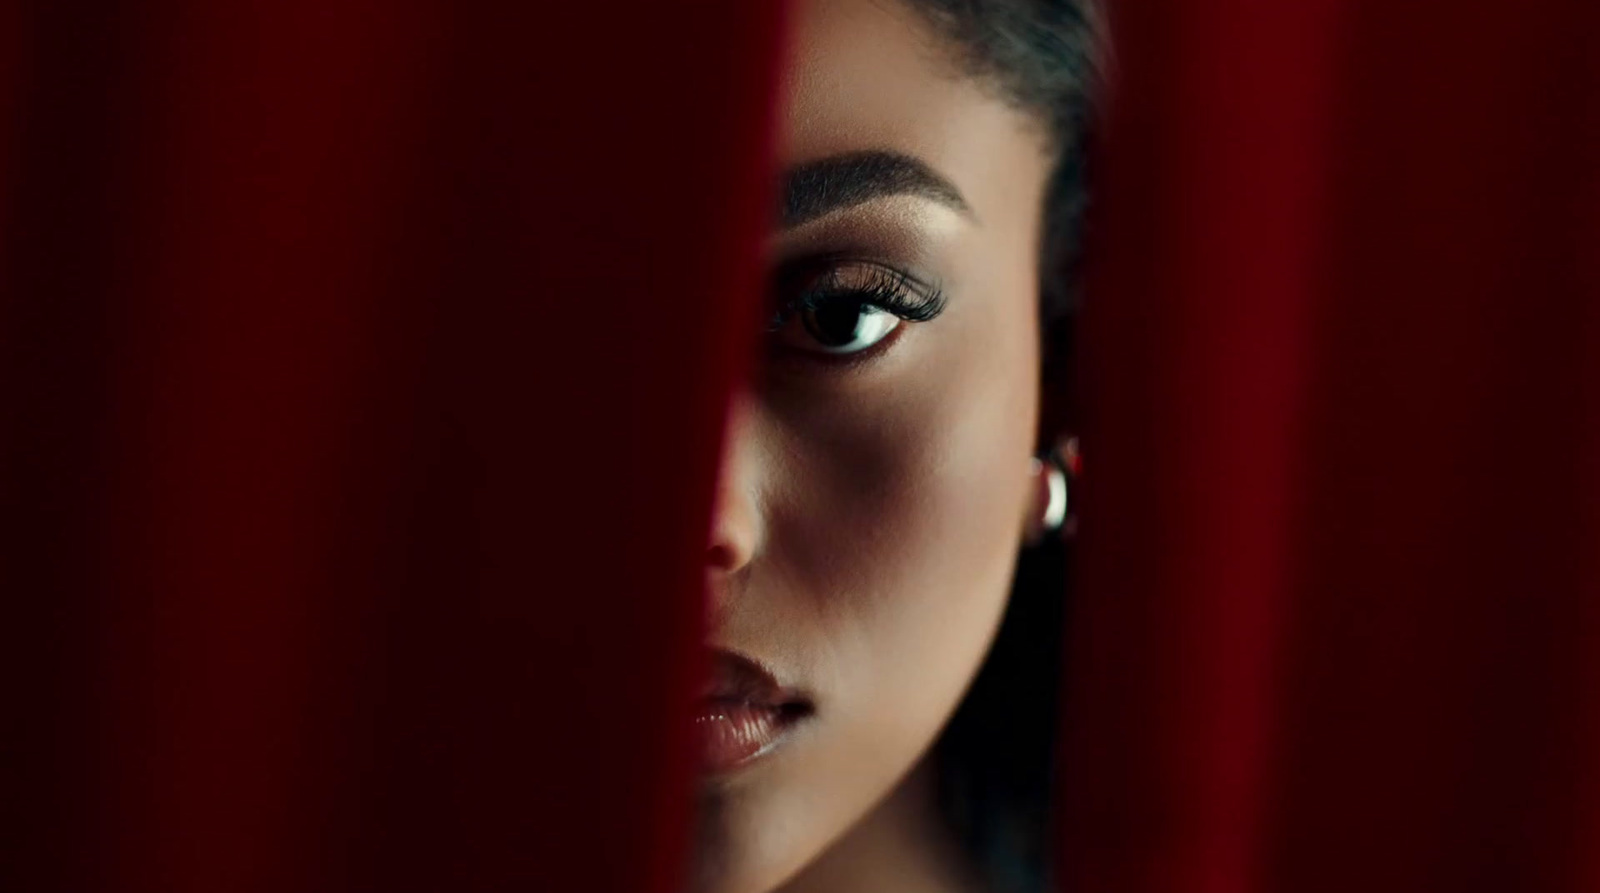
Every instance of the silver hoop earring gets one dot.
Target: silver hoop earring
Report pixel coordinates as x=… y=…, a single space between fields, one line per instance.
x=1056 y=494
x=1057 y=473
x=1055 y=510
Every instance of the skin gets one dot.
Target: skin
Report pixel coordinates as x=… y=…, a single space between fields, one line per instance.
x=870 y=513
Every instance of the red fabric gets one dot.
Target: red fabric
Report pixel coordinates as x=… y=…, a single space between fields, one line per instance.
x=363 y=370
x=1338 y=624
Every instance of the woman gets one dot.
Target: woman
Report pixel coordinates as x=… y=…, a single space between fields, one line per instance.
x=880 y=475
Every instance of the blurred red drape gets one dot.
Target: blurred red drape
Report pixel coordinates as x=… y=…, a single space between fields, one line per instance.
x=363 y=370
x=361 y=373
x=1338 y=624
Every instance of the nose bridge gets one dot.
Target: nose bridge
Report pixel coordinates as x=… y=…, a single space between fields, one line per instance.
x=736 y=527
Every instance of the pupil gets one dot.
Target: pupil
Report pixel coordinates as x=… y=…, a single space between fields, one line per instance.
x=834 y=324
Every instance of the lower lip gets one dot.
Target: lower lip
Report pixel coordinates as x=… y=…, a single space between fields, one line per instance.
x=733 y=733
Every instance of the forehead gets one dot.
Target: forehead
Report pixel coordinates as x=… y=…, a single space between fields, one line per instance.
x=872 y=74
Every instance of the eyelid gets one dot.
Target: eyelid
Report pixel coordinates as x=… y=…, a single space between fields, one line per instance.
x=807 y=282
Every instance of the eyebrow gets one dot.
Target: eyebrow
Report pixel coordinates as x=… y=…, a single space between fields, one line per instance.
x=832 y=184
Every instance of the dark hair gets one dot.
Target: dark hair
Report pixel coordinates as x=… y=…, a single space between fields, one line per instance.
x=1044 y=56
x=996 y=758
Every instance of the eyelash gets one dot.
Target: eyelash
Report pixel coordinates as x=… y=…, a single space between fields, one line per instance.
x=814 y=284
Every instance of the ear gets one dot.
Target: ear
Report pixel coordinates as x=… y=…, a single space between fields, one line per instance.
x=1060 y=422
x=1056 y=439
x=1059 y=417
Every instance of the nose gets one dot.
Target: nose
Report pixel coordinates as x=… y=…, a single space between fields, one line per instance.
x=736 y=526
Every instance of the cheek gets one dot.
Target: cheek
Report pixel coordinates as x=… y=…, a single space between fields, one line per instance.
x=893 y=489
x=922 y=579
x=904 y=522
x=894 y=532
x=898 y=511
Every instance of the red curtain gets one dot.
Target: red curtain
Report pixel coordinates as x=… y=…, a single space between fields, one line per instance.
x=363 y=370
x=361 y=373
x=1338 y=622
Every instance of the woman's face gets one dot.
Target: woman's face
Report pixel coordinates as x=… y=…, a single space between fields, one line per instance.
x=876 y=483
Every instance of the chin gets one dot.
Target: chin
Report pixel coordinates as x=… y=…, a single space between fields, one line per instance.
x=740 y=847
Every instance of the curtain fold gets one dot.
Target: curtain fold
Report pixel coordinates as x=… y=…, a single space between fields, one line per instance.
x=1337 y=625
x=364 y=368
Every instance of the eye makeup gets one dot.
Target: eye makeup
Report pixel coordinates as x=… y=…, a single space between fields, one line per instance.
x=817 y=283
x=843 y=308
x=843 y=287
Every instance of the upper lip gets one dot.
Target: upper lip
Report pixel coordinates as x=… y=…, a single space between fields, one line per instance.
x=735 y=677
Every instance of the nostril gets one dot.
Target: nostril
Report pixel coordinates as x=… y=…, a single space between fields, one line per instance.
x=722 y=557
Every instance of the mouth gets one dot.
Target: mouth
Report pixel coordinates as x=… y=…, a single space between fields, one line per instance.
x=743 y=713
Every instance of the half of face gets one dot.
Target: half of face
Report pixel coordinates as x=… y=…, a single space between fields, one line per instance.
x=876 y=481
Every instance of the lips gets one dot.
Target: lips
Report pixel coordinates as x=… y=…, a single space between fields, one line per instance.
x=743 y=713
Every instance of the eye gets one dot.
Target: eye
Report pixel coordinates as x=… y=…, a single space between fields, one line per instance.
x=842 y=306
x=840 y=326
